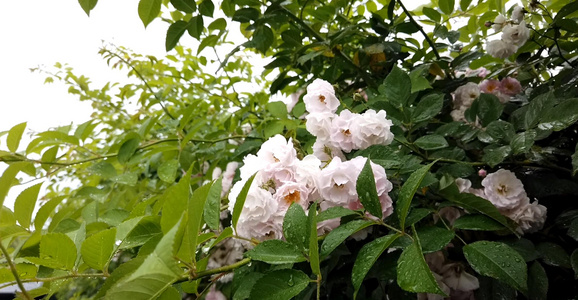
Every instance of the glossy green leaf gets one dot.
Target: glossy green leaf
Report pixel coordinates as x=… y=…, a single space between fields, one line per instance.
x=434 y=238
x=240 y=201
x=87 y=5
x=187 y=6
x=148 y=10
x=25 y=203
x=168 y=170
x=574 y=262
x=537 y=282
x=495 y=156
x=97 y=249
x=431 y=13
x=431 y=142
x=523 y=141
x=263 y=38
x=428 y=107
x=14 y=136
x=7 y=179
x=206 y=8
x=212 y=210
x=57 y=251
x=176 y=200
x=195 y=27
x=560 y=116
x=408 y=191
x=447 y=6
x=367 y=191
x=279 y=285
x=45 y=211
x=295 y=226
x=489 y=108
x=246 y=14
x=25 y=271
x=477 y=222
x=128 y=148
x=413 y=273
x=276 y=252
x=366 y=257
x=497 y=260
x=334 y=212
x=396 y=87
x=196 y=206
x=553 y=254
x=339 y=234
x=313 y=243
x=174 y=34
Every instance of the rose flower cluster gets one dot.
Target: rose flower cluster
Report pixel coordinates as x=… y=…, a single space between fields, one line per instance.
x=281 y=178
x=514 y=34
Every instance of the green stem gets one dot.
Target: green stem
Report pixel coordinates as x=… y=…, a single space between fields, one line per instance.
x=15 y=272
x=318 y=287
x=210 y=272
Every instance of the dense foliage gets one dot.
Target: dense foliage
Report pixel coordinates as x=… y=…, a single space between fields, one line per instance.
x=430 y=151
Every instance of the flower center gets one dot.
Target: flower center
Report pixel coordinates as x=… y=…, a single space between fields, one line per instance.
x=322 y=98
x=293 y=197
x=502 y=189
x=346 y=132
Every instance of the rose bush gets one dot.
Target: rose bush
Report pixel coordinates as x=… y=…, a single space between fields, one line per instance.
x=424 y=153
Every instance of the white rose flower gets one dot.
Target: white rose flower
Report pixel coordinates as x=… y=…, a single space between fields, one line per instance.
x=228 y=177
x=515 y=34
x=213 y=294
x=320 y=97
x=341 y=130
x=458 y=279
x=373 y=128
x=292 y=192
x=459 y=115
x=504 y=190
x=326 y=226
x=464 y=185
x=325 y=151
x=465 y=95
x=216 y=173
x=319 y=124
x=306 y=170
x=499 y=22
x=531 y=217
x=251 y=165
x=518 y=13
x=278 y=149
x=259 y=205
x=500 y=49
x=337 y=182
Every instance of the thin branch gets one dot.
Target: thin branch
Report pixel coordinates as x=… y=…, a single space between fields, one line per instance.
x=49 y=279
x=15 y=272
x=144 y=81
x=210 y=272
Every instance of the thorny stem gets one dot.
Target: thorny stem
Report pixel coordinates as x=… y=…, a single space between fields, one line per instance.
x=15 y=272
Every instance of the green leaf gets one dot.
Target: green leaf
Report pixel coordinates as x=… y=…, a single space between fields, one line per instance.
x=464 y=4
x=128 y=148
x=575 y=162
x=278 y=109
x=334 y=212
x=7 y=180
x=473 y=203
x=477 y=222
x=103 y=169
x=553 y=254
x=25 y=203
x=212 y=210
x=25 y=271
x=523 y=141
x=45 y=211
x=524 y=247
x=574 y=262
x=313 y=243
x=537 y=107
x=413 y=273
x=537 y=282
x=240 y=202
x=97 y=250
x=499 y=261
x=170 y=294
x=428 y=107
x=174 y=34
x=158 y=272
x=57 y=251
x=419 y=81
x=560 y=116
x=500 y=131
x=447 y=6
x=148 y=10
x=176 y=200
x=195 y=27
x=573 y=229
x=366 y=257
x=247 y=14
x=168 y=170
x=295 y=226
x=489 y=108
x=196 y=206
x=396 y=87
x=279 y=285
x=434 y=238
x=432 y=14
x=367 y=191
x=339 y=234
x=187 y=6
x=87 y=5
x=408 y=191
x=495 y=156
x=416 y=215
x=431 y=142
x=206 y=8
x=263 y=38
x=276 y=252
x=14 y=136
